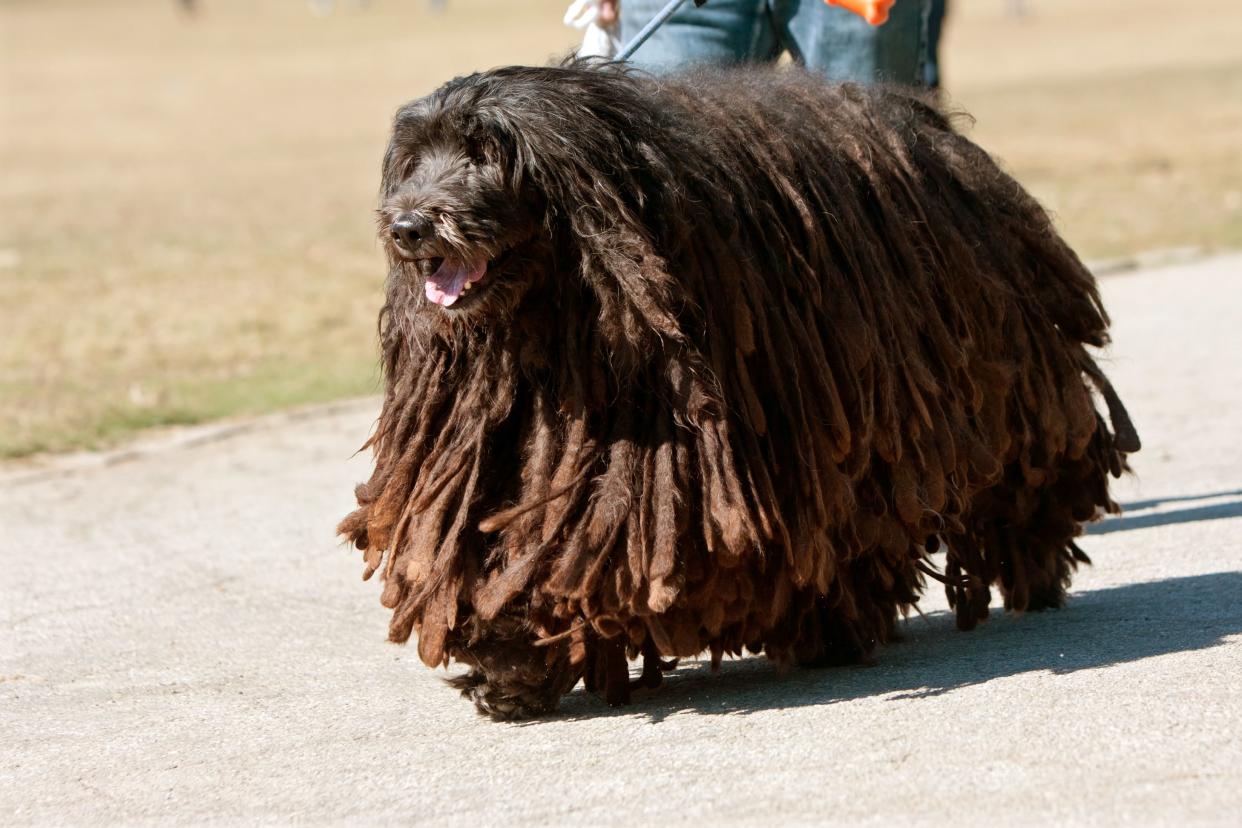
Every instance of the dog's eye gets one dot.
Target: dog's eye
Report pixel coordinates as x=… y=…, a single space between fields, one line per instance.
x=399 y=165
x=409 y=164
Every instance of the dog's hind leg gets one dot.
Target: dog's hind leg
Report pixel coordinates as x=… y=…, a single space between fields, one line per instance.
x=1039 y=555
x=1022 y=536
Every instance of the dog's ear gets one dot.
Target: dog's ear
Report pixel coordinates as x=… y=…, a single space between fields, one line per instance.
x=639 y=298
x=493 y=135
x=581 y=152
x=486 y=143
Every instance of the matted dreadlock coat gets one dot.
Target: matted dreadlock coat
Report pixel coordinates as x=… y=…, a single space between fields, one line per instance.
x=748 y=349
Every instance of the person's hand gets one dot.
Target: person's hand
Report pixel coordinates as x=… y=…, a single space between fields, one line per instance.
x=607 y=12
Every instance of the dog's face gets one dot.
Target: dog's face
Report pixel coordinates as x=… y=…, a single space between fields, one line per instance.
x=454 y=217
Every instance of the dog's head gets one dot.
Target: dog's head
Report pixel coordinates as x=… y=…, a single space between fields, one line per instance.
x=494 y=175
x=453 y=215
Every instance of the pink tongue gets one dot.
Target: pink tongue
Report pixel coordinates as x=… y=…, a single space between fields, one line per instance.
x=445 y=286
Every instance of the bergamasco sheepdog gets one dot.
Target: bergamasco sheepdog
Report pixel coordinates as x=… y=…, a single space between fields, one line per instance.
x=715 y=363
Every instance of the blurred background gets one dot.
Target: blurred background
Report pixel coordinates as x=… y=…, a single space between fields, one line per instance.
x=186 y=226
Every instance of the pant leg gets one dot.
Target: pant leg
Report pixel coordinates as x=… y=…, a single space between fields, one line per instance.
x=845 y=47
x=721 y=32
x=935 y=26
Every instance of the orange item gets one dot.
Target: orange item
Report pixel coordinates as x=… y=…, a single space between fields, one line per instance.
x=874 y=12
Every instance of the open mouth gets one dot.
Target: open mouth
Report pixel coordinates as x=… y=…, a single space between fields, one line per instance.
x=452 y=280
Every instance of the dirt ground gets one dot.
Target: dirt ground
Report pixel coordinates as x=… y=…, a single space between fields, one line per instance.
x=185 y=210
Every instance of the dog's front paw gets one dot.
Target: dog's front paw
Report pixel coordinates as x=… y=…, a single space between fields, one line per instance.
x=500 y=703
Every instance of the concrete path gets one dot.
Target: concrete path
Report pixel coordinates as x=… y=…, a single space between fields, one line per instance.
x=182 y=640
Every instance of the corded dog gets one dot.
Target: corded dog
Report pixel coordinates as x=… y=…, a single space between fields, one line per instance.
x=715 y=363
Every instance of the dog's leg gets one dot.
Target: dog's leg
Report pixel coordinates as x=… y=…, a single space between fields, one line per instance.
x=1028 y=532
x=833 y=641
x=859 y=614
x=654 y=667
x=1038 y=555
x=514 y=677
x=616 y=671
x=1021 y=541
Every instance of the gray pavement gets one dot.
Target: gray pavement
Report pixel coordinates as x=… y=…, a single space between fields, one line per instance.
x=183 y=640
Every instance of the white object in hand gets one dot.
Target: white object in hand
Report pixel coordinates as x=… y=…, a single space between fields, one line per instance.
x=597 y=40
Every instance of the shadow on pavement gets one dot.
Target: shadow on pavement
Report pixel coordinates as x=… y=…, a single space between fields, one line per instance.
x=1097 y=629
x=1128 y=521
x=1140 y=505
x=1125 y=523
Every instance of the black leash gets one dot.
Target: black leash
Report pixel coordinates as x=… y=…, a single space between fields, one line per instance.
x=647 y=31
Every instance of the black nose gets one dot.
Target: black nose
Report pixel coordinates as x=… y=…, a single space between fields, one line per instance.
x=410 y=228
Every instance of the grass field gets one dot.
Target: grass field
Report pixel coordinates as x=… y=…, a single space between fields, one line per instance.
x=185 y=206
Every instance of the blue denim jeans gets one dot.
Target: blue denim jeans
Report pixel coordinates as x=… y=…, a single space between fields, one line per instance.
x=824 y=38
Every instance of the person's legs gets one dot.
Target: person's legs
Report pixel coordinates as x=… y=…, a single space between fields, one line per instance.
x=720 y=32
x=845 y=47
x=935 y=26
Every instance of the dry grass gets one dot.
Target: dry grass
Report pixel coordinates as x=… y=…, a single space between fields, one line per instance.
x=1123 y=116
x=185 y=226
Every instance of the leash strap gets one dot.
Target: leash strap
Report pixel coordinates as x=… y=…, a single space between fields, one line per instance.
x=656 y=22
